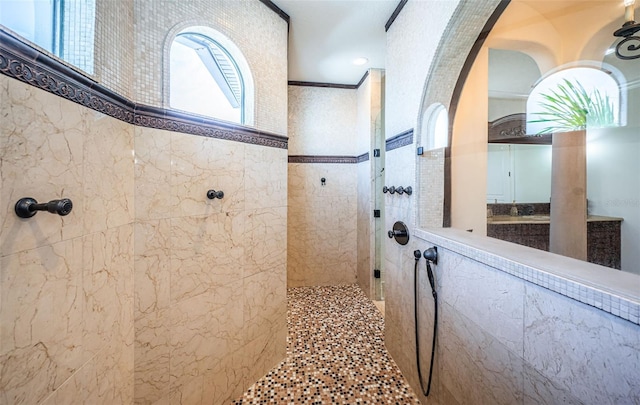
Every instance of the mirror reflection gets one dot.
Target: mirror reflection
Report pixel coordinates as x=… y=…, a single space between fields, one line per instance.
x=541 y=85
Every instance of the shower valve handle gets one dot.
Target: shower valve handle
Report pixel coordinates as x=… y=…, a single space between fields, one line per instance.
x=212 y=194
x=28 y=207
x=396 y=232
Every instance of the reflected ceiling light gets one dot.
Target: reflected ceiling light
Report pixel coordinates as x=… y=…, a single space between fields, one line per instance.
x=360 y=61
x=628 y=31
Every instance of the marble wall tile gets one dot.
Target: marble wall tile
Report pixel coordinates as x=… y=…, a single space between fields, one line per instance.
x=152 y=173
x=108 y=288
x=200 y=164
x=475 y=367
x=152 y=354
x=265 y=177
x=203 y=330
x=107 y=376
x=595 y=355
x=265 y=303
x=225 y=383
x=322 y=224
x=41 y=315
x=266 y=240
x=152 y=266
x=262 y=354
x=539 y=390
x=108 y=147
x=206 y=252
x=492 y=298
x=41 y=149
x=365 y=259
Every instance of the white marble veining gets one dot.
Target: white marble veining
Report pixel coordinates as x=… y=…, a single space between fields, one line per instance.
x=593 y=353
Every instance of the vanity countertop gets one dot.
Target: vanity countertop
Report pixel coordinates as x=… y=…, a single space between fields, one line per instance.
x=540 y=219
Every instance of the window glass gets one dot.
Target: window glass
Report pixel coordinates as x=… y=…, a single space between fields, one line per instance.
x=64 y=28
x=204 y=78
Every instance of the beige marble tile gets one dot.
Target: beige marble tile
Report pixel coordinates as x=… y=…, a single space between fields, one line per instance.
x=265 y=303
x=152 y=266
x=108 y=288
x=199 y=164
x=203 y=330
x=41 y=310
x=152 y=357
x=108 y=173
x=152 y=173
x=265 y=177
x=224 y=384
x=41 y=149
x=207 y=251
x=266 y=240
x=71 y=392
x=477 y=368
x=108 y=376
x=262 y=354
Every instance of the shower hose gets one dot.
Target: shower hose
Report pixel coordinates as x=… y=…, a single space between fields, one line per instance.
x=435 y=321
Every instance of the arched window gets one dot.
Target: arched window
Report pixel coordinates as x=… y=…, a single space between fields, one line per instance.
x=436 y=127
x=572 y=99
x=208 y=78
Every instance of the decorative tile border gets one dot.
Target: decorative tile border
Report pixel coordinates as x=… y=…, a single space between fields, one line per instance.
x=402 y=139
x=362 y=158
x=623 y=307
x=23 y=62
x=322 y=159
x=332 y=85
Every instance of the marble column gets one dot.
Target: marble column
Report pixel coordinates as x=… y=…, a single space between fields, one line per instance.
x=568 y=231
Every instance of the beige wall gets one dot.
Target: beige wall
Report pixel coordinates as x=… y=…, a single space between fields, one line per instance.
x=259 y=33
x=210 y=274
x=67 y=282
x=147 y=291
x=322 y=220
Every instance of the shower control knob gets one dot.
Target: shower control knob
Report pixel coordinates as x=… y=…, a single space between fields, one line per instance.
x=408 y=190
x=400 y=190
x=28 y=207
x=385 y=189
x=397 y=232
x=392 y=190
x=212 y=194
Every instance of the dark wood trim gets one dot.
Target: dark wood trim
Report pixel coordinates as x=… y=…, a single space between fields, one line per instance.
x=395 y=14
x=272 y=6
x=326 y=85
x=455 y=98
x=322 y=159
x=512 y=129
x=402 y=139
x=22 y=62
x=363 y=158
x=364 y=77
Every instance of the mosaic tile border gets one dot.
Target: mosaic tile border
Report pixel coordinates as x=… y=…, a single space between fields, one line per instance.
x=402 y=139
x=331 y=85
x=322 y=159
x=27 y=64
x=608 y=302
x=363 y=158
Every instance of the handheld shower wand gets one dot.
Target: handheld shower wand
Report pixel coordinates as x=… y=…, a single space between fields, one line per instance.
x=431 y=256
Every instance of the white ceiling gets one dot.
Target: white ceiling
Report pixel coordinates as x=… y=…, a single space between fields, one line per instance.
x=325 y=36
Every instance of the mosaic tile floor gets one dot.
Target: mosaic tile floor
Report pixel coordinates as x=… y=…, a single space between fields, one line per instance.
x=335 y=354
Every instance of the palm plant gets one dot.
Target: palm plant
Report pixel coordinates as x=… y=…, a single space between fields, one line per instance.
x=570 y=107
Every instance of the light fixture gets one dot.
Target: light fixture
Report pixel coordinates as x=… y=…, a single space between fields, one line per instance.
x=360 y=61
x=628 y=31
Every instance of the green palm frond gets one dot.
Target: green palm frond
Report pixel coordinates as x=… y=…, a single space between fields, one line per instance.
x=569 y=107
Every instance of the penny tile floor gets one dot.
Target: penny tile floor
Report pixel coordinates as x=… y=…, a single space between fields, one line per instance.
x=335 y=354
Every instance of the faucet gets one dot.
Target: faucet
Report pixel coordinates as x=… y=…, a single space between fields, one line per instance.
x=514 y=209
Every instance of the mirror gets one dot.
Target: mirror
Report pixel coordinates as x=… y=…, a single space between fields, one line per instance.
x=519 y=164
